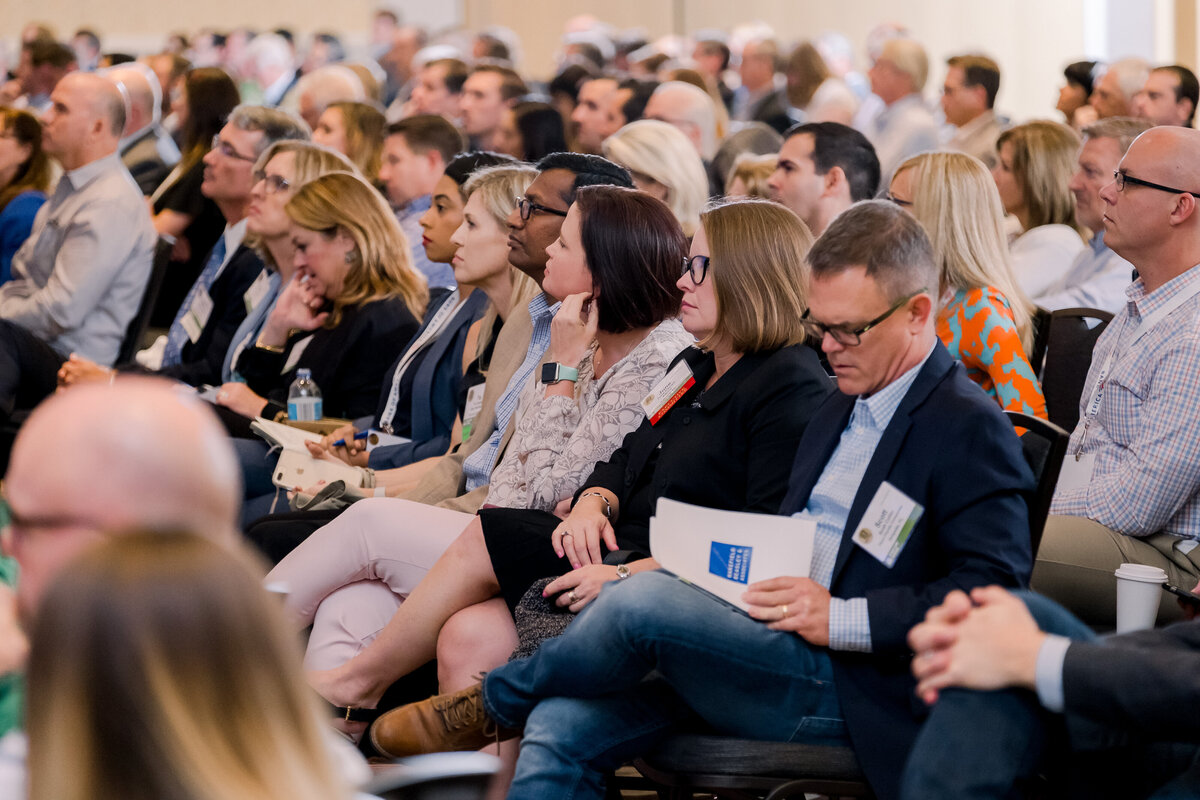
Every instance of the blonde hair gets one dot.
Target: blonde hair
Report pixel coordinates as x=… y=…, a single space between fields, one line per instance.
x=660 y=151
x=956 y=200
x=382 y=263
x=759 y=272
x=754 y=170
x=908 y=56
x=1043 y=160
x=311 y=161
x=365 y=126
x=499 y=187
x=161 y=668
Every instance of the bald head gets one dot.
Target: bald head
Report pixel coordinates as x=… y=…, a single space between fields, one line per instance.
x=140 y=99
x=104 y=459
x=84 y=121
x=1157 y=229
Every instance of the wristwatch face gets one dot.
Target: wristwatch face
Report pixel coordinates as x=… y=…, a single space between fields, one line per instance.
x=622 y=571
x=550 y=373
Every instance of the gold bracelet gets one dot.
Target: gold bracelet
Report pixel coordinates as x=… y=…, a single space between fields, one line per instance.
x=270 y=348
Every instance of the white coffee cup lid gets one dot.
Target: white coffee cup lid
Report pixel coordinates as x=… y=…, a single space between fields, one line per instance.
x=1142 y=572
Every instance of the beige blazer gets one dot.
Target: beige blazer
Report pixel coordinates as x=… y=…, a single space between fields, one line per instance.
x=445 y=485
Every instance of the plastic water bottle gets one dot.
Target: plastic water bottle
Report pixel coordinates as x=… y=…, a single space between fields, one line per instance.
x=304 y=398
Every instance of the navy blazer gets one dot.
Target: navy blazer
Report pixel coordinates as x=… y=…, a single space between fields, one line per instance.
x=434 y=389
x=950 y=448
x=201 y=361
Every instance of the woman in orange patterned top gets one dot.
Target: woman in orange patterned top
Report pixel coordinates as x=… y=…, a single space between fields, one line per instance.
x=985 y=320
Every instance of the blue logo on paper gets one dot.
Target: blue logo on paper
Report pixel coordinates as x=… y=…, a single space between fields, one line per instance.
x=730 y=561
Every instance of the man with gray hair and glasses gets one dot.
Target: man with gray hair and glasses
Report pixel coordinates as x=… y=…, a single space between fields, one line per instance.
x=819 y=659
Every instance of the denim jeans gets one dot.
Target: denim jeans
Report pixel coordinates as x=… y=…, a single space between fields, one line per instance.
x=648 y=653
x=977 y=745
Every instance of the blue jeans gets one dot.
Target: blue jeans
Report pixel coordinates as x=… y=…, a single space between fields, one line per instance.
x=648 y=653
x=258 y=465
x=977 y=745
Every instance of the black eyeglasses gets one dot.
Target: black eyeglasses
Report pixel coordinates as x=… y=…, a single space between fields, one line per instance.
x=696 y=267
x=275 y=183
x=891 y=198
x=527 y=207
x=226 y=149
x=1121 y=177
x=850 y=337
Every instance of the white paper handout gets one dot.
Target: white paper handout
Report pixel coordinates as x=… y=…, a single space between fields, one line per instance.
x=723 y=552
x=284 y=436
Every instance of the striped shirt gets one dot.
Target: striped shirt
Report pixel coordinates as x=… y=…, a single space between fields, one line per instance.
x=477 y=467
x=1146 y=430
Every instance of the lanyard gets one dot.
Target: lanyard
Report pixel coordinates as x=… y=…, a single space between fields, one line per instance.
x=444 y=312
x=1144 y=327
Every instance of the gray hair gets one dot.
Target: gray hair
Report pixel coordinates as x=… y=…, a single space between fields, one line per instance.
x=885 y=239
x=1123 y=129
x=274 y=124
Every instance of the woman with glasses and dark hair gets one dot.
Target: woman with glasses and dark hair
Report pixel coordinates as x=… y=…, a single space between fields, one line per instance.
x=721 y=430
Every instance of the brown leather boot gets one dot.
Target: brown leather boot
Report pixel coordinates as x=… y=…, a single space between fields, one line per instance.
x=444 y=722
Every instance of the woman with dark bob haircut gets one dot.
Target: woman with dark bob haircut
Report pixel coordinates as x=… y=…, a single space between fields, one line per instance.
x=613 y=267
x=726 y=441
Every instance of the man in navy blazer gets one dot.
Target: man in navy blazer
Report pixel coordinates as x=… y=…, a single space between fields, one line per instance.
x=819 y=659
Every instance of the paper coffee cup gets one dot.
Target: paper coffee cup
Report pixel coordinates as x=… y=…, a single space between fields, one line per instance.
x=1139 y=590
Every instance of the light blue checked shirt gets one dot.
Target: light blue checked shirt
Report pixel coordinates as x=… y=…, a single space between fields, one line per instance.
x=477 y=467
x=831 y=498
x=1146 y=432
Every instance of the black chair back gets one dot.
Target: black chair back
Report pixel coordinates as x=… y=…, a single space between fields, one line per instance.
x=1044 y=445
x=1041 y=335
x=1068 y=357
x=137 y=325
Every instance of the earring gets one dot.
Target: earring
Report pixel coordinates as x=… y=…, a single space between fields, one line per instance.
x=351 y=257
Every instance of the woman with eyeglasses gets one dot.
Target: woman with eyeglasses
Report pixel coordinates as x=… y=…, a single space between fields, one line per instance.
x=1033 y=171
x=986 y=320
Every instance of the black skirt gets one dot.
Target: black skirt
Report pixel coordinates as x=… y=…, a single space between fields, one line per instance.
x=518 y=542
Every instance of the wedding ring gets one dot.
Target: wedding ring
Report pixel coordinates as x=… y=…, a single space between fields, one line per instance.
x=574 y=598
x=783 y=611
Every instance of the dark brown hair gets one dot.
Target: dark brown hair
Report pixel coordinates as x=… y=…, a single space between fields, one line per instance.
x=211 y=95
x=634 y=249
x=34 y=173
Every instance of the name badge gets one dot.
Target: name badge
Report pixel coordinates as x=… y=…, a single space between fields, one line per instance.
x=667 y=391
x=294 y=355
x=471 y=410
x=194 y=321
x=887 y=524
x=1075 y=473
x=257 y=291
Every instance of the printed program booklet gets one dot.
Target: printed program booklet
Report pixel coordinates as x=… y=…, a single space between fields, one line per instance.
x=723 y=552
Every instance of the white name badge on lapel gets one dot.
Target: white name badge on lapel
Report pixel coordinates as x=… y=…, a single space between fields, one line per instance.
x=888 y=522
x=1076 y=472
x=471 y=410
x=667 y=391
x=257 y=291
x=194 y=321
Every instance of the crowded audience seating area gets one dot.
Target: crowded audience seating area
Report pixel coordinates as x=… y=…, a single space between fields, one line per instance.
x=739 y=413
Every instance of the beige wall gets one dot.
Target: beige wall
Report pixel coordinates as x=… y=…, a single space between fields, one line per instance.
x=1031 y=55
x=1032 y=39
